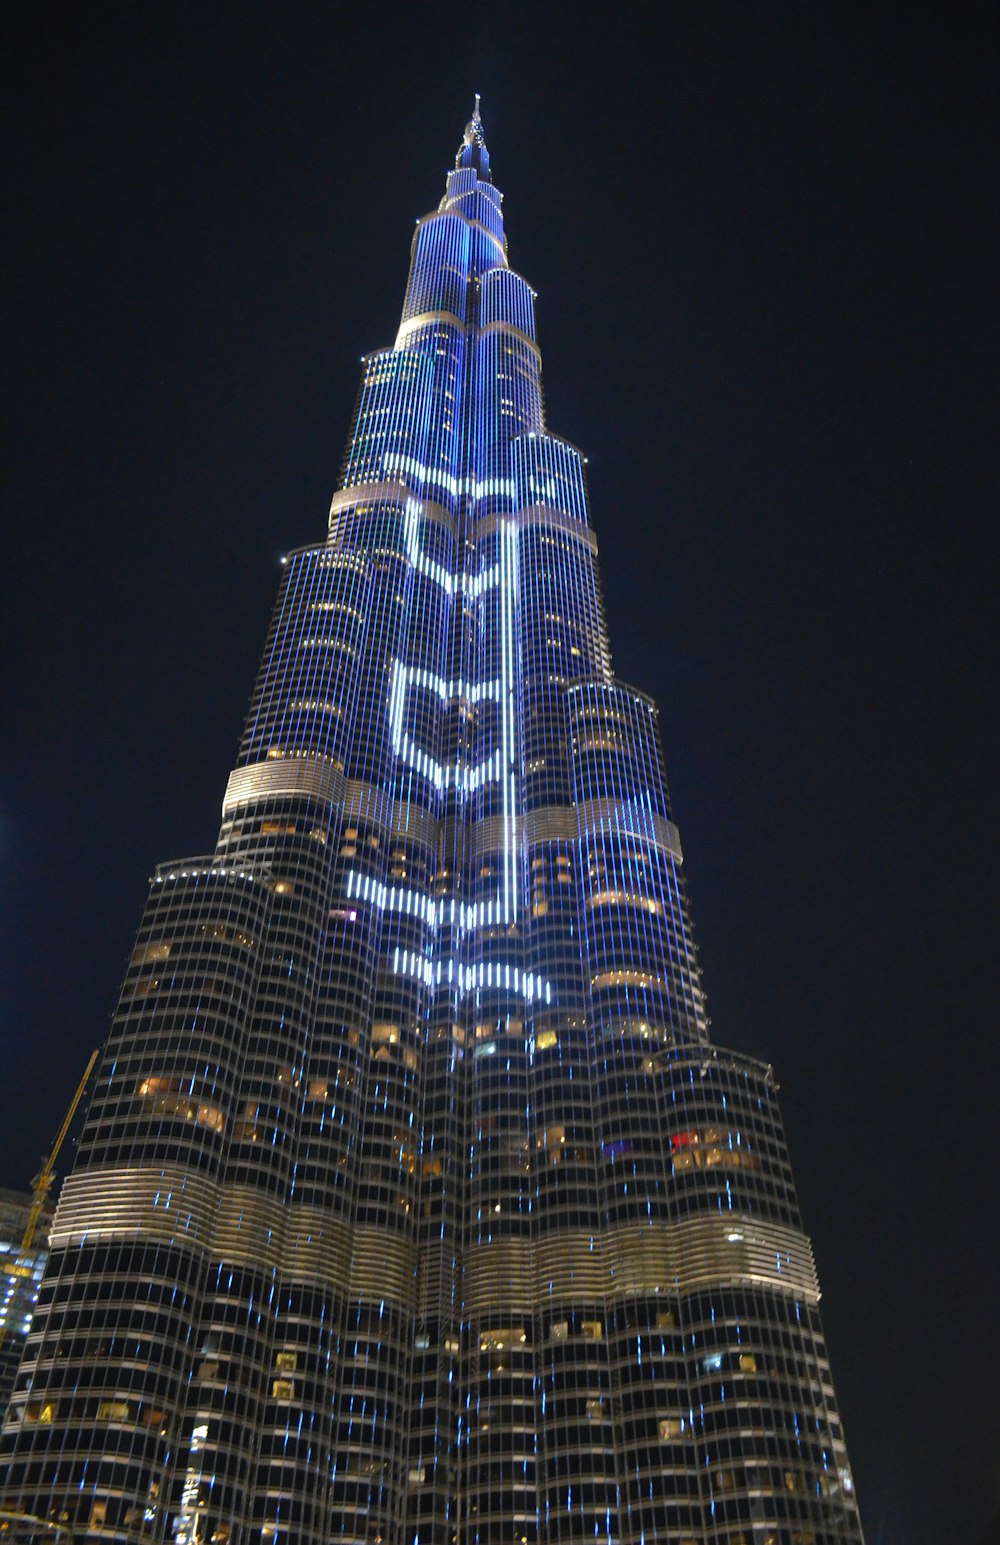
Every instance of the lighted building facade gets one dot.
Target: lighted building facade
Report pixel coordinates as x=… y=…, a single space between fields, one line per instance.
x=20 y=1274
x=414 y=1203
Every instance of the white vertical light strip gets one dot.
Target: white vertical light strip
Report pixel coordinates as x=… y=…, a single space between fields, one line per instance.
x=508 y=689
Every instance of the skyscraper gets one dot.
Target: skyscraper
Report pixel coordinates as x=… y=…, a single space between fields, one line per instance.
x=20 y=1273
x=414 y=1203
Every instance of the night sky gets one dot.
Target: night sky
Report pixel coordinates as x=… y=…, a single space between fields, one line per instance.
x=764 y=238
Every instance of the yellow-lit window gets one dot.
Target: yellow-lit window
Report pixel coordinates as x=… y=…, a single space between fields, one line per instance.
x=546 y=1038
x=211 y=1116
x=748 y=1363
x=283 y=1389
x=113 y=1411
x=150 y=952
x=286 y=1362
x=594 y=1329
x=666 y=1320
x=670 y=1428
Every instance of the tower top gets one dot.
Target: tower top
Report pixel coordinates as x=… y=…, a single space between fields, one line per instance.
x=474 y=128
x=472 y=151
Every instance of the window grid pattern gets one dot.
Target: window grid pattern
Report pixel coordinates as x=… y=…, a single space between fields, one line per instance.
x=414 y=1203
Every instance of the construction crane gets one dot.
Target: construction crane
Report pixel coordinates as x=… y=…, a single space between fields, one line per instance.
x=44 y=1180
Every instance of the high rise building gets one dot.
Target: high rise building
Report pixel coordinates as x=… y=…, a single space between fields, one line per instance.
x=415 y=1205
x=20 y=1273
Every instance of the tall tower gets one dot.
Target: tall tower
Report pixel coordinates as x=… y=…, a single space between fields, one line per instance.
x=414 y=1203
x=20 y=1273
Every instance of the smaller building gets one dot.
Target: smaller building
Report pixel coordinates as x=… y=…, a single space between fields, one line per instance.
x=20 y=1274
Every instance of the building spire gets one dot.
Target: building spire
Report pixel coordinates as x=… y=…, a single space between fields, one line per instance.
x=474 y=128
x=472 y=151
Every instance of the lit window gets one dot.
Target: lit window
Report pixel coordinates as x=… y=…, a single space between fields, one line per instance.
x=210 y=1116
x=748 y=1363
x=283 y=1389
x=286 y=1362
x=545 y=1039
x=151 y=952
x=113 y=1411
x=594 y=1329
x=670 y=1427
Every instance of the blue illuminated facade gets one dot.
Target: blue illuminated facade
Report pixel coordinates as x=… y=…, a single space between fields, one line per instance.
x=415 y=1205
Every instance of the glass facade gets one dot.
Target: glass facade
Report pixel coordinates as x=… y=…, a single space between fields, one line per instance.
x=414 y=1205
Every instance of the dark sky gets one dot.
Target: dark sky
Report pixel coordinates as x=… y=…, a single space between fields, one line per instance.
x=764 y=238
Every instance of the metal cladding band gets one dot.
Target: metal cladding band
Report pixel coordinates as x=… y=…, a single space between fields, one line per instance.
x=541 y=516
x=236 y=1224
x=167 y=1204
x=632 y=820
x=306 y=778
x=243 y=1225
x=659 y=1258
x=386 y=495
